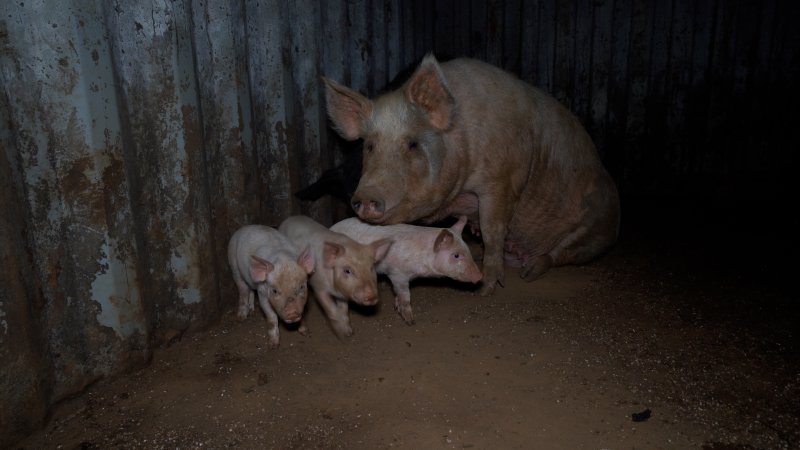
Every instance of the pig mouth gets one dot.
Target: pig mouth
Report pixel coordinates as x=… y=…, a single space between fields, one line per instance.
x=292 y=319
x=391 y=216
x=369 y=301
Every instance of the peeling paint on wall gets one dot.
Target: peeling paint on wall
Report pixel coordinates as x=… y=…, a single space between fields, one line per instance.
x=115 y=289
x=185 y=264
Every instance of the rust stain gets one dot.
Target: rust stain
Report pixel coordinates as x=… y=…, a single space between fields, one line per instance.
x=75 y=182
x=128 y=313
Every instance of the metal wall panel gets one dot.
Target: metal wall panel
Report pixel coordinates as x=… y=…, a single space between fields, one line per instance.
x=138 y=135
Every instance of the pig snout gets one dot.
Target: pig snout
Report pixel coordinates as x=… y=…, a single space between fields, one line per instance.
x=367 y=205
x=367 y=298
x=474 y=275
x=292 y=314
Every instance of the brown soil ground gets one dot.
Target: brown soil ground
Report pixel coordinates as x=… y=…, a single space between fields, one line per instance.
x=693 y=321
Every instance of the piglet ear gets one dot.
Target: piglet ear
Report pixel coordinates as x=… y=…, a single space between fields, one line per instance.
x=380 y=248
x=428 y=89
x=306 y=260
x=259 y=269
x=330 y=252
x=347 y=109
x=458 y=227
x=444 y=239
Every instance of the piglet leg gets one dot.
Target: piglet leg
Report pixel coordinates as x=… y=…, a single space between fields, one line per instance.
x=273 y=338
x=337 y=313
x=402 y=299
x=245 y=300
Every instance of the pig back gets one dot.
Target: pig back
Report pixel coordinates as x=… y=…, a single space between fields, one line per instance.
x=517 y=134
x=507 y=124
x=410 y=243
x=262 y=241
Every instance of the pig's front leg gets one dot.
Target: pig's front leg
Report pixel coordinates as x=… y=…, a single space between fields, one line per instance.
x=402 y=299
x=337 y=312
x=273 y=337
x=495 y=213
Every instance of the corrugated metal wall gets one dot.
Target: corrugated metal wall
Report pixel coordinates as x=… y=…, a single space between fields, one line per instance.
x=138 y=135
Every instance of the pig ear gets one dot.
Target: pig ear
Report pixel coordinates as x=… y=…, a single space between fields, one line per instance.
x=306 y=260
x=380 y=248
x=260 y=268
x=428 y=89
x=347 y=109
x=330 y=252
x=444 y=239
x=458 y=227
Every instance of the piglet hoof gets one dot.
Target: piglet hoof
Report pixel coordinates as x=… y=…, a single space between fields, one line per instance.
x=273 y=343
x=342 y=330
x=241 y=314
x=406 y=314
x=303 y=330
x=535 y=267
x=408 y=317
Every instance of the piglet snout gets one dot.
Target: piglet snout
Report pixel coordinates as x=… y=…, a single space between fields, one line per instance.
x=292 y=314
x=474 y=276
x=368 y=299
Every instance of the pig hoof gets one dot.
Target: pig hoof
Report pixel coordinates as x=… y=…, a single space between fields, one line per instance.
x=343 y=331
x=242 y=314
x=535 y=267
x=487 y=289
x=407 y=315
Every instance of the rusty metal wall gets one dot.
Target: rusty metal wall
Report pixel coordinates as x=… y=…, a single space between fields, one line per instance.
x=678 y=95
x=138 y=135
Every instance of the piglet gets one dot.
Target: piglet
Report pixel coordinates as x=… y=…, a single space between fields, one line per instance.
x=417 y=252
x=264 y=260
x=345 y=269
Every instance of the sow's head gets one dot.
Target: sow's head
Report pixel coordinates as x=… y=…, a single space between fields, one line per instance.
x=405 y=135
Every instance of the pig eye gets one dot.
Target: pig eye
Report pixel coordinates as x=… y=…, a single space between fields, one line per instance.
x=457 y=255
x=274 y=291
x=347 y=271
x=413 y=145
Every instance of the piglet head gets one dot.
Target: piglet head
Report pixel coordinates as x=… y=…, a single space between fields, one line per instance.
x=452 y=256
x=353 y=265
x=285 y=285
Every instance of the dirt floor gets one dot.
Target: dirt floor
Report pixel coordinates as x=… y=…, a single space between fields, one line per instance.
x=692 y=320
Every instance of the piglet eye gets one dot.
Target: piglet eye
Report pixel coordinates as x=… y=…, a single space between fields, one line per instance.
x=347 y=271
x=457 y=255
x=413 y=145
x=370 y=147
x=274 y=291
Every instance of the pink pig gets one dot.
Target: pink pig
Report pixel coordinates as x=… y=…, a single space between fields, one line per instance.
x=416 y=252
x=466 y=138
x=345 y=269
x=265 y=261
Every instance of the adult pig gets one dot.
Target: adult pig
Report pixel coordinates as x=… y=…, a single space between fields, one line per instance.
x=345 y=269
x=265 y=261
x=416 y=252
x=464 y=137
